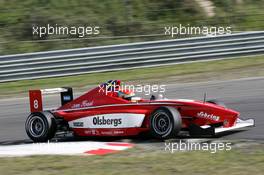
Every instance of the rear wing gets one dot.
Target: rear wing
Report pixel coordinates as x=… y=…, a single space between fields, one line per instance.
x=35 y=97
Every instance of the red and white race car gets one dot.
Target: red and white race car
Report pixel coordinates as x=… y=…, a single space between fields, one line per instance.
x=108 y=110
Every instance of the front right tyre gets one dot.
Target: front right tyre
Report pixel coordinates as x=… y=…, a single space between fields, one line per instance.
x=40 y=126
x=165 y=123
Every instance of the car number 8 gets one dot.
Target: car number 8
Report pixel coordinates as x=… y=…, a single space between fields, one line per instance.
x=36 y=104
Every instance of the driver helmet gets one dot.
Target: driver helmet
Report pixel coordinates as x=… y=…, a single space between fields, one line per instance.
x=126 y=94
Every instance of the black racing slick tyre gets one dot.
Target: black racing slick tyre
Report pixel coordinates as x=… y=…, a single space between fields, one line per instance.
x=40 y=126
x=165 y=123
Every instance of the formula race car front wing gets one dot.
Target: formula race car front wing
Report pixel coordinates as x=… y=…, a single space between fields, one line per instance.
x=207 y=130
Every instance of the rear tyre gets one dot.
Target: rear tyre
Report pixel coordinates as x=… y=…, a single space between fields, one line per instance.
x=40 y=126
x=165 y=123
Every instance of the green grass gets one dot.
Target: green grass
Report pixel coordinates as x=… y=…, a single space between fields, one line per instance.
x=115 y=18
x=139 y=161
x=202 y=71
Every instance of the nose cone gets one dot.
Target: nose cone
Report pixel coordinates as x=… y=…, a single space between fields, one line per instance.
x=233 y=112
x=226 y=116
x=229 y=117
x=224 y=109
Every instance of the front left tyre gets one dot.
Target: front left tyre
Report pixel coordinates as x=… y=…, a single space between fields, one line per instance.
x=40 y=126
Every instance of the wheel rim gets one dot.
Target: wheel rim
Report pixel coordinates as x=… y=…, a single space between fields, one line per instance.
x=161 y=123
x=36 y=126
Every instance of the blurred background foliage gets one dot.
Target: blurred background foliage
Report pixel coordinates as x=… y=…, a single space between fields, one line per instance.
x=120 y=21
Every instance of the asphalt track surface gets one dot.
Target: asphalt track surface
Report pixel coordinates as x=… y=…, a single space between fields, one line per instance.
x=243 y=95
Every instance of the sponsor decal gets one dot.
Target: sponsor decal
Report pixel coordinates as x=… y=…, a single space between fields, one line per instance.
x=114 y=120
x=103 y=121
x=208 y=116
x=226 y=123
x=94 y=132
x=67 y=98
x=119 y=132
x=111 y=132
x=107 y=132
x=88 y=132
x=83 y=104
x=78 y=124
